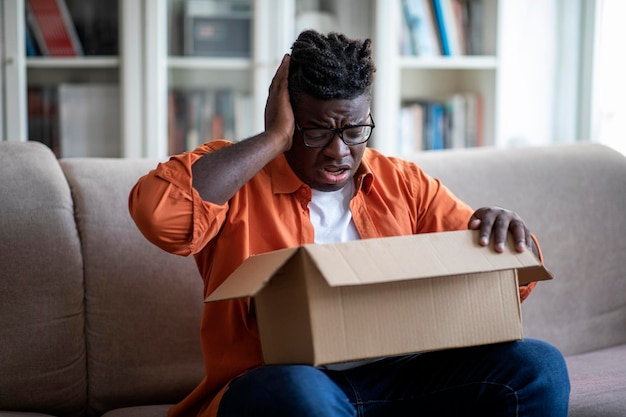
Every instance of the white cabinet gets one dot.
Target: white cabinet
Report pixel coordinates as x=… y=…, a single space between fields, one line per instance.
x=40 y=78
x=152 y=66
x=221 y=93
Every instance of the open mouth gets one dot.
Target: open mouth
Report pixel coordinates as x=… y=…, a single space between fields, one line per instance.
x=335 y=174
x=335 y=170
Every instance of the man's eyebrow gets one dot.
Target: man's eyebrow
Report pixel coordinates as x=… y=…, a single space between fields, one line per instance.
x=315 y=125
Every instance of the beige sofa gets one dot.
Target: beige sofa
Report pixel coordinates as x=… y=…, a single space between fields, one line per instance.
x=95 y=320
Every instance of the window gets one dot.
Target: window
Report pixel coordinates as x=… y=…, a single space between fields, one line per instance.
x=608 y=96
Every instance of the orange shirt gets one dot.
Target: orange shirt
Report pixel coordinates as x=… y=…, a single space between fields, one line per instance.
x=392 y=197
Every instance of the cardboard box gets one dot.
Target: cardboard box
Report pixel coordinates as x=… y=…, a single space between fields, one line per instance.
x=322 y=304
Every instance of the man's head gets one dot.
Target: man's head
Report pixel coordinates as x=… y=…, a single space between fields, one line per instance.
x=330 y=79
x=330 y=67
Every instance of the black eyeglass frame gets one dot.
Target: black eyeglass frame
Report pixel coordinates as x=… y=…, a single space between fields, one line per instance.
x=339 y=131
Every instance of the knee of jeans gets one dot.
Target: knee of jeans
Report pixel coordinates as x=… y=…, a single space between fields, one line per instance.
x=289 y=387
x=545 y=364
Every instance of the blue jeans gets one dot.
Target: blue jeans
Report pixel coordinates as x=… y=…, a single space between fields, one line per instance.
x=523 y=378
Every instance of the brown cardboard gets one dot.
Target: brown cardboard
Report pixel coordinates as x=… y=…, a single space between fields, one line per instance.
x=321 y=304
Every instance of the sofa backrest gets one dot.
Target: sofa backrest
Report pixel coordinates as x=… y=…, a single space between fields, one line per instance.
x=66 y=249
x=42 y=347
x=143 y=305
x=573 y=198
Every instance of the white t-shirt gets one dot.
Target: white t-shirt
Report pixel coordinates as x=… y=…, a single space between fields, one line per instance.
x=331 y=216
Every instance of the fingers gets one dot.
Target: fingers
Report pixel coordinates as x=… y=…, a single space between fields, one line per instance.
x=495 y=223
x=282 y=73
x=519 y=231
x=278 y=111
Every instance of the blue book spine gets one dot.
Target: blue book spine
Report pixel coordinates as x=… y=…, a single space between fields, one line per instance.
x=437 y=125
x=31 y=48
x=443 y=34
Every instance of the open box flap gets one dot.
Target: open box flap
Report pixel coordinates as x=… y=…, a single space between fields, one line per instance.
x=420 y=256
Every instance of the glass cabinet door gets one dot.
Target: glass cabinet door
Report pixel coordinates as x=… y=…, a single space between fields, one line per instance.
x=72 y=73
x=221 y=56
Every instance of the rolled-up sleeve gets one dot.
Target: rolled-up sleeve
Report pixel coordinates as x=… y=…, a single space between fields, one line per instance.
x=169 y=212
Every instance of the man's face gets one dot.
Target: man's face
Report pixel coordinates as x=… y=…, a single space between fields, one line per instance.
x=327 y=168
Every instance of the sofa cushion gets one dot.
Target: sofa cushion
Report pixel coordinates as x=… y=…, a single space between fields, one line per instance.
x=143 y=305
x=42 y=353
x=598 y=383
x=145 y=411
x=560 y=192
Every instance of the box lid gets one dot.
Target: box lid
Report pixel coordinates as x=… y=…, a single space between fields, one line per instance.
x=371 y=261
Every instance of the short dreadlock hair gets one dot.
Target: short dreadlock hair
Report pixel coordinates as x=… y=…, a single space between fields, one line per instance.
x=330 y=66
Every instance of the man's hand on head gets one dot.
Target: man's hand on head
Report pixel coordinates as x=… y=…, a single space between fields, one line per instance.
x=494 y=224
x=279 y=118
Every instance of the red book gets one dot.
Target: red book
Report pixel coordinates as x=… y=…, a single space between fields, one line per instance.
x=53 y=28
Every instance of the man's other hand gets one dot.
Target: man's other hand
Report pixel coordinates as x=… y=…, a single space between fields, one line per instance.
x=494 y=223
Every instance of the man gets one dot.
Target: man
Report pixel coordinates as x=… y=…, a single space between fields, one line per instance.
x=309 y=177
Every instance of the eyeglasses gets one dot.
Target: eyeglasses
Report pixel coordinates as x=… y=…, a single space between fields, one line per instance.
x=320 y=137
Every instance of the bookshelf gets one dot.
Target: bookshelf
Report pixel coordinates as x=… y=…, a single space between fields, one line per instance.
x=38 y=70
x=151 y=63
x=244 y=77
x=148 y=64
x=411 y=78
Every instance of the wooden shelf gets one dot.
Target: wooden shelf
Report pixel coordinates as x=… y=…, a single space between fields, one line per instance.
x=73 y=62
x=460 y=62
x=209 y=63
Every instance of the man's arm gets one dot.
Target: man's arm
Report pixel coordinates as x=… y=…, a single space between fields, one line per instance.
x=163 y=202
x=217 y=176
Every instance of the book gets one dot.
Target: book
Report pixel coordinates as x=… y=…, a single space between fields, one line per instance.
x=96 y=24
x=442 y=29
x=421 y=126
x=31 y=47
x=43 y=116
x=199 y=115
x=53 y=28
x=244 y=120
x=89 y=120
x=35 y=114
x=456 y=108
x=406 y=131
x=437 y=125
x=449 y=26
x=474 y=115
x=460 y=26
x=420 y=26
x=194 y=102
x=177 y=122
x=411 y=128
x=432 y=124
x=225 y=112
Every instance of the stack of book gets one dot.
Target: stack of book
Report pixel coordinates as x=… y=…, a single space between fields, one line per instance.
x=55 y=28
x=433 y=125
x=76 y=119
x=442 y=27
x=200 y=115
x=52 y=28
